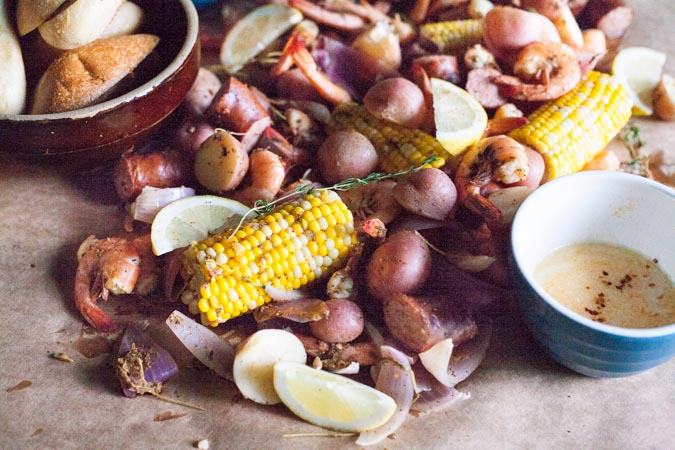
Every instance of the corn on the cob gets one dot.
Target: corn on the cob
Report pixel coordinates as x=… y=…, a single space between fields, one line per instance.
x=302 y=241
x=397 y=147
x=452 y=36
x=570 y=131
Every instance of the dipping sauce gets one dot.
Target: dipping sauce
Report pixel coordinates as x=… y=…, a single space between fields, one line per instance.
x=609 y=284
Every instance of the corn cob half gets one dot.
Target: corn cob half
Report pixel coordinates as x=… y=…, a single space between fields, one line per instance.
x=303 y=240
x=398 y=148
x=570 y=131
x=452 y=36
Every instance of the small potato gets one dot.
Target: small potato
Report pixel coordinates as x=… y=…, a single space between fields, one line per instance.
x=201 y=94
x=429 y=193
x=343 y=324
x=664 y=98
x=346 y=154
x=400 y=265
x=192 y=133
x=293 y=85
x=398 y=100
x=221 y=162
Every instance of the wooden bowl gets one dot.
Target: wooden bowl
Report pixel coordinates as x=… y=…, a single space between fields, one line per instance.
x=92 y=135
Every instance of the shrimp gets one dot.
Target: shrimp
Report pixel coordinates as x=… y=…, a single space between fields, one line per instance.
x=544 y=71
x=372 y=201
x=340 y=20
x=489 y=164
x=267 y=171
x=105 y=266
x=330 y=91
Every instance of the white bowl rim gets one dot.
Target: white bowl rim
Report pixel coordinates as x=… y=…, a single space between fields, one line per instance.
x=191 y=37
x=643 y=333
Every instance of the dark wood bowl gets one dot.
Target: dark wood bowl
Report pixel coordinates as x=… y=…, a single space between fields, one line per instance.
x=101 y=132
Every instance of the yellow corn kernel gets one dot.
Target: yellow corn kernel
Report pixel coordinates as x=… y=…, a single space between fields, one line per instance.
x=452 y=36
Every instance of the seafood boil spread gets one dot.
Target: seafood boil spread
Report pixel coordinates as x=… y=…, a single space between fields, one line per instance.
x=327 y=224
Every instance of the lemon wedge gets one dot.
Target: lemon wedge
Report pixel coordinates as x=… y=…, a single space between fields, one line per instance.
x=252 y=34
x=192 y=219
x=329 y=400
x=460 y=119
x=639 y=70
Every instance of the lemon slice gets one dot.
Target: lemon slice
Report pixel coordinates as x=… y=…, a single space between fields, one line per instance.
x=460 y=119
x=252 y=34
x=192 y=219
x=639 y=70
x=329 y=400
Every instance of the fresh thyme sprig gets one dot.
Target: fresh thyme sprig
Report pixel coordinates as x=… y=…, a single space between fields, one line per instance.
x=263 y=207
x=639 y=163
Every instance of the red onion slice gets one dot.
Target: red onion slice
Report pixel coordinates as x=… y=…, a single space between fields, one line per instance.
x=432 y=395
x=211 y=350
x=395 y=379
x=448 y=371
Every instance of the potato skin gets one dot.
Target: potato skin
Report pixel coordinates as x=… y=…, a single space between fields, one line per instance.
x=398 y=100
x=401 y=264
x=428 y=193
x=346 y=154
x=344 y=322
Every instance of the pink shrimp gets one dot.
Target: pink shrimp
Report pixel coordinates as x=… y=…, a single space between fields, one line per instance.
x=327 y=89
x=544 y=71
x=267 y=172
x=494 y=160
x=105 y=266
x=340 y=20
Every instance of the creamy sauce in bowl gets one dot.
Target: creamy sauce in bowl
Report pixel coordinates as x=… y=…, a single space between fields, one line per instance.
x=609 y=284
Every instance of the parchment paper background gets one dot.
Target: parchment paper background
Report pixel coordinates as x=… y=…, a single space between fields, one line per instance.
x=520 y=397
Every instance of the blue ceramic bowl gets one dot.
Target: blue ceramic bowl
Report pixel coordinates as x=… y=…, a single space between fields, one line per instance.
x=609 y=207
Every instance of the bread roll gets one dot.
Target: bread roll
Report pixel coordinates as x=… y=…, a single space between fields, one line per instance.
x=82 y=76
x=30 y=14
x=128 y=19
x=12 y=71
x=79 y=23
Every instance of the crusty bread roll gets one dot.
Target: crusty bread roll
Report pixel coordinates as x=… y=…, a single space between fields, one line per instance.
x=30 y=14
x=82 y=76
x=12 y=70
x=79 y=23
x=128 y=19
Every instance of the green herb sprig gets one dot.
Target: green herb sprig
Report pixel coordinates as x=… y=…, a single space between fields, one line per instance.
x=264 y=207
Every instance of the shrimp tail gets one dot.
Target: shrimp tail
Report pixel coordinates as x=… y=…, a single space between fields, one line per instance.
x=86 y=294
x=483 y=207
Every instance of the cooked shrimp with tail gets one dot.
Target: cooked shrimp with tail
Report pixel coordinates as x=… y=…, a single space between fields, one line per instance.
x=544 y=71
x=105 y=266
x=487 y=166
x=267 y=171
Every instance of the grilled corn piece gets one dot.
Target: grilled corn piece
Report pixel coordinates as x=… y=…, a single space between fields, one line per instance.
x=303 y=240
x=452 y=36
x=571 y=130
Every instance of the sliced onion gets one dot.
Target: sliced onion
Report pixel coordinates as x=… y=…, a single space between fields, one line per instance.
x=374 y=334
x=509 y=199
x=395 y=379
x=209 y=348
x=152 y=199
x=136 y=349
x=282 y=295
x=448 y=371
x=470 y=263
x=352 y=369
x=432 y=395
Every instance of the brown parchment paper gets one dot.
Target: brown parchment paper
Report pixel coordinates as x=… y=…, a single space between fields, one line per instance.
x=520 y=398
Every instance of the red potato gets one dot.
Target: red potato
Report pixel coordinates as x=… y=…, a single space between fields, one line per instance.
x=201 y=94
x=398 y=100
x=346 y=154
x=401 y=264
x=612 y=17
x=428 y=193
x=294 y=85
x=192 y=133
x=344 y=322
x=134 y=171
x=419 y=323
x=508 y=30
x=221 y=162
x=444 y=67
